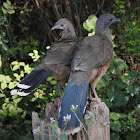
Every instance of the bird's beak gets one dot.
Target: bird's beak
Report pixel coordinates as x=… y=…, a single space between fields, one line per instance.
x=117 y=20
x=56 y=27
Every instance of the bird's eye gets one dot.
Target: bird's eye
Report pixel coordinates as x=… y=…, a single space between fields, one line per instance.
x=62 y=25
x=111 y=19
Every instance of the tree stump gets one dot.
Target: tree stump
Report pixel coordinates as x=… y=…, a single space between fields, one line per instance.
x=98 y=127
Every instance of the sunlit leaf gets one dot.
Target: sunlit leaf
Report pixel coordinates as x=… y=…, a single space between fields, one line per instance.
x=12 y=111
x=49 y=78
x=2 y=95
x=15 y=67
x=3 y=85
x=7 y=78
x=11 y=85
x=11 y=11
x=9 y=2
x=2 y=77
x=21 y=63
x=6 y=5
x=89 y=24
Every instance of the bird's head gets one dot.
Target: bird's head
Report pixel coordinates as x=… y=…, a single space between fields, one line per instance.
x=66 y=27
x=105 y=20
x=103 y=23
x=62 y=24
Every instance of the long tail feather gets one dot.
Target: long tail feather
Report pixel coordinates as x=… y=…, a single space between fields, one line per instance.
x=31 y=82
x=75 y=94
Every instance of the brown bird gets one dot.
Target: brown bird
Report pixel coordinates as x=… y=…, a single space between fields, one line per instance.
x=56 y=63
x=89 y=63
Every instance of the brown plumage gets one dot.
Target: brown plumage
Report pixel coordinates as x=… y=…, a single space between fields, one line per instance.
x=55 y=63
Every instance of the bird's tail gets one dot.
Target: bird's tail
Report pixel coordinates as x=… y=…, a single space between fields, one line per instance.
x=75 y=95
x=32 y=81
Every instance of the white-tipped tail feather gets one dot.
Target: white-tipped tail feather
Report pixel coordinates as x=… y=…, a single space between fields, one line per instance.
x=17 y=91
x=68 y=132
x=23 y=86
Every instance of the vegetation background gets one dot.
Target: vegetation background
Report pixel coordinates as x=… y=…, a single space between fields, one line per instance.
x=25 y=36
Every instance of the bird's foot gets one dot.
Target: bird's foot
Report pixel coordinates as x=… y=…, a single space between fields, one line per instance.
x=97 y=100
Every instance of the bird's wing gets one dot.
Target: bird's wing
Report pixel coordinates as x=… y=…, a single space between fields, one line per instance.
x=94 y=52
x=61 y=52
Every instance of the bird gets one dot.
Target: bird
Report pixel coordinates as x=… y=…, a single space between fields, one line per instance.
x=56 y=63
x=89 y=64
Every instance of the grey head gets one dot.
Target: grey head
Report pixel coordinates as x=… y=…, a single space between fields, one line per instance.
x=66 y=28
x=103 y=23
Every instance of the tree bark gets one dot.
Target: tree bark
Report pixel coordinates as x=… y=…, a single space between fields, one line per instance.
x=98 y=127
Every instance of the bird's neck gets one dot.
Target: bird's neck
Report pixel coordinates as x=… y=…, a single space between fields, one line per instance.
x=104 y=32
x=66 y=35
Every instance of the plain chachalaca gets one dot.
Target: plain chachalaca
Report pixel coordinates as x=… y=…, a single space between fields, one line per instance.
x=56 y=63
x=88 y=65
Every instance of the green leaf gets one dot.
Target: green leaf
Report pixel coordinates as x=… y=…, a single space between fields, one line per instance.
x=125 y=77
x=117 y=65
x=15 y=67
x=17 y=100
x=90 y=23
x=63 y=137
x=12 y=111
x=9 y=2
x=115 y=116
x=53 y=82
x=21 y=63
x=7 y=100
x=49 y=79
x=4 y=10
x=14 y=63
x=3 y=34
x=23 y=115
x=11 y=11
x=116 y=126
x=11 y=85
x=6 y=5
x=2 y=95
x=21 y=73
x=19 y=110
x=121 y=6
x=54 y=128
x=14 y=96
x=7 y=78
x=3 y=85
x=4 y=46
x=2 y=77
x=5 y=40
x=17 y=76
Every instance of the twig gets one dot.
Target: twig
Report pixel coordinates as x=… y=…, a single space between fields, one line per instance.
x=100 y=7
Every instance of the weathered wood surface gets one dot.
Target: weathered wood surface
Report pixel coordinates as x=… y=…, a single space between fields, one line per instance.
x=98 y=128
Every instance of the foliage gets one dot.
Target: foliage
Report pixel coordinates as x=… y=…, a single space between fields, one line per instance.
x=24 y=35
